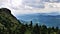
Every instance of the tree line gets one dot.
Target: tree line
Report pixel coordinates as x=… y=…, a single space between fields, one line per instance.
x=28 y=29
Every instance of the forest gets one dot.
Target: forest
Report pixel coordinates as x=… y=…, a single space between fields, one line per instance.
x=9 y=24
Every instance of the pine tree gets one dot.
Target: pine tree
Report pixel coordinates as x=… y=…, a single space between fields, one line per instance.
x=44 y=29
x=36 y=30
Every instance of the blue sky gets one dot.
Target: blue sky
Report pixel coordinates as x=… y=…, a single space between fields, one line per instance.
x=19 y=7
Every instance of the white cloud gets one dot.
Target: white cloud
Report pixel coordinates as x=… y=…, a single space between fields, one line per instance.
x=18 y=8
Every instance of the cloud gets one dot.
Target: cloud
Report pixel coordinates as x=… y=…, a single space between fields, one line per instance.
x=57 y=1
x=31 y=7
x=34 y=3
x=19 y=7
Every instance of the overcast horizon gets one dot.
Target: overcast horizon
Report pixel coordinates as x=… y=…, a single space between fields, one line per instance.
x=19 y=7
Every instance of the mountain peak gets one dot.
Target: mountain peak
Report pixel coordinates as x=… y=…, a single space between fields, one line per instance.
x=5 y=10
x=7 y=20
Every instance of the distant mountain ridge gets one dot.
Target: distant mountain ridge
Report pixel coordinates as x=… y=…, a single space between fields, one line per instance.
x=47 y=19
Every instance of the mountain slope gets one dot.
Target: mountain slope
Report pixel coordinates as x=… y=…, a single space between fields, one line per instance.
x=7 y=20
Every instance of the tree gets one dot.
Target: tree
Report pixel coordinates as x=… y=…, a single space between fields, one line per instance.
x=36 y=30
x=30 y=25
x=57 y=28
x=44 y=29
x=26 y=25
x=22 y=29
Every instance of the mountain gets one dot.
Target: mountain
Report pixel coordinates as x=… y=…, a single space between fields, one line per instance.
x=42 y=18
x=8 y=23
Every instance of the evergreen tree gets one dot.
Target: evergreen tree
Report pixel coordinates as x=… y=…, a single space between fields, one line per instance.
x=44 y=29
x=36 y=30
x=30 y=25
x=22 y=29
x=57 y=28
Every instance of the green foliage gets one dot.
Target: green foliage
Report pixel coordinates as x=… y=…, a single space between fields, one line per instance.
x=10 y=25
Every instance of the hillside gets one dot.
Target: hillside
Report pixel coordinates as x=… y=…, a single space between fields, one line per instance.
x=7 y=21
x=11 y=25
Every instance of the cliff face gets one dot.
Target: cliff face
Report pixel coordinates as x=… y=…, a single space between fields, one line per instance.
x=7 y=20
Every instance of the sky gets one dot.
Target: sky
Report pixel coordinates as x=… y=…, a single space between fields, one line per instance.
x=19 y=7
